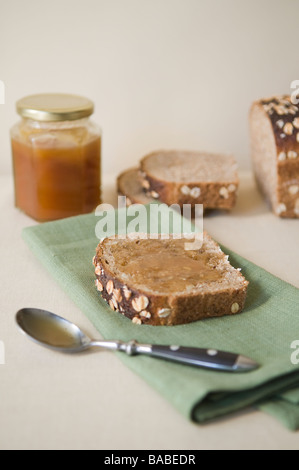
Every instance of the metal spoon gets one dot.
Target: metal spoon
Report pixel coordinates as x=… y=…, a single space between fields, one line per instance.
x=59 y=334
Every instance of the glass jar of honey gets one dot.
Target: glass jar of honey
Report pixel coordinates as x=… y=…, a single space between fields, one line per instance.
x=56 y=152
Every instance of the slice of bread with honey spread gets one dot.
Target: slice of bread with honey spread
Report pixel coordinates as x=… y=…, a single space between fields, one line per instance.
x=160 y=282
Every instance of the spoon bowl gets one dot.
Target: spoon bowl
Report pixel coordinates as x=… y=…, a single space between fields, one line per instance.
x=52 y=331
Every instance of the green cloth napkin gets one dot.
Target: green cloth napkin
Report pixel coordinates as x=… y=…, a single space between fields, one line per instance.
x=264 y=331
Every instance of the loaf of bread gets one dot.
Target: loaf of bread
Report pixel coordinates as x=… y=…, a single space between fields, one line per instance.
x=274 y=135
x=160 y=282
x=184 y=177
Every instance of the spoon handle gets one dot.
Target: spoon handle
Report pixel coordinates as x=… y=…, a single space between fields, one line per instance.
x=206 y=358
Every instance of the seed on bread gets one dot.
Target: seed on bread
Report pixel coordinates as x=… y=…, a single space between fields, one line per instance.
x=163 y=312
x=292 y=154
x=140 y=303
x=98 y=270
x=99 y=285
x=281 y=110
x=110 y=287
x=115 y=303
x=288 y=128
x=136 y=321
x=185 y=190
x=282 y=156
x=224 y=192
x=117 y=295
x=195 y=192
x=235 y=307
x=145 y=314
x=127 y=292
x=281 y=208
x=145 y=184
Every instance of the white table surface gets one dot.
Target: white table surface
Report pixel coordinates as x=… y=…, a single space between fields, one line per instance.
x=93 y=401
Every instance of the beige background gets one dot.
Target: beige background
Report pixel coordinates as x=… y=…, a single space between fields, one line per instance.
x=162 y=73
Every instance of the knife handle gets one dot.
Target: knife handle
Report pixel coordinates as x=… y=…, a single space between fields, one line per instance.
x=207 y=358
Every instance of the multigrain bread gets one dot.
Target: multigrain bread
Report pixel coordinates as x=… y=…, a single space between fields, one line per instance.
x=184 y=177
x=159 y=282
x=274 y=134
x=129 y=184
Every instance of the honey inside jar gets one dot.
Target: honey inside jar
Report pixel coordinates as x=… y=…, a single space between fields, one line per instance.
x=56 y=159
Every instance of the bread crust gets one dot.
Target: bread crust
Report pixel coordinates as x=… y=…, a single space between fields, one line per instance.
x=159 y=309
x=283 y=117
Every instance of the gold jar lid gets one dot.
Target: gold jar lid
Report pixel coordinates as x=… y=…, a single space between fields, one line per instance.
x=54 y=107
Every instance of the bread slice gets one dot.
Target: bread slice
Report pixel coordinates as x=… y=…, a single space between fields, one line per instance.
x=129 y=184
x=159 y=282
x=183 y=177
x=274 y=135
